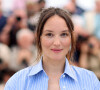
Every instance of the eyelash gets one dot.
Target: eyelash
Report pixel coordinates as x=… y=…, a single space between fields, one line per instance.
x=62 y=35
x=49 y=34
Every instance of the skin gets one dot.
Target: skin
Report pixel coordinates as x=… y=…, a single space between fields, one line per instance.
x=0 y=6
x=97 y=3
x=55 y=43
x=55 y=36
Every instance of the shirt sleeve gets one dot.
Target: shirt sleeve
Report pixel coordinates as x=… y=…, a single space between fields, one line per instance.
x=11 y=83
x=96 y=82
x=97 y=87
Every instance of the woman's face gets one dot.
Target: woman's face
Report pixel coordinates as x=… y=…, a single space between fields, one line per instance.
x=55 y=39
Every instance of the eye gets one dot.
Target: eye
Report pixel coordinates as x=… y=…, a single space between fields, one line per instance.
x=49 y=34
x=64 y=34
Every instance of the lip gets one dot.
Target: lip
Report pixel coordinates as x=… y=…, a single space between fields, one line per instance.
x=56 y=50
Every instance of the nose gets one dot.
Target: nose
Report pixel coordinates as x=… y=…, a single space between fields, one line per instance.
x=57 y=41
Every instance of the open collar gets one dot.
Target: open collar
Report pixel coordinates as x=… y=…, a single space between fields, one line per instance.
x=69 y=70
x=36 y=69
x=39 y=67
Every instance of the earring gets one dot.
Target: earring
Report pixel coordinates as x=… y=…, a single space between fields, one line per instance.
x=70 y=48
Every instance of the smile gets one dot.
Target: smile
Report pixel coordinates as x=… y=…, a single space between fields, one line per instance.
x=56 y=50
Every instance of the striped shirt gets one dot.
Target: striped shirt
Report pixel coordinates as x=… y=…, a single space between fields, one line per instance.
x=35 y=78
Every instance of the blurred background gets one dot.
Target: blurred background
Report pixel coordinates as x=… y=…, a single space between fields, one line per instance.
x=18 y=20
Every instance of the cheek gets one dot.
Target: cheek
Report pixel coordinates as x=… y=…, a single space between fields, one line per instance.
x=45 y=43
x=67 y=42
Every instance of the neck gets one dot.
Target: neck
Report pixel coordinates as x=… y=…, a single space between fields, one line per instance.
x=53 y=66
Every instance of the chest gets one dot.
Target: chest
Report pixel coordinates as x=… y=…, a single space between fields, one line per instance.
x=53 y=84
x=45 y=83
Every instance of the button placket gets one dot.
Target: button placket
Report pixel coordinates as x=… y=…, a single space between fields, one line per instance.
x=64 y=87
x=62 y=82
x=63 y=76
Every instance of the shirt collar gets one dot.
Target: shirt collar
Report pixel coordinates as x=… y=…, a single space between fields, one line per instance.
x=68 y=69
x=36 y=69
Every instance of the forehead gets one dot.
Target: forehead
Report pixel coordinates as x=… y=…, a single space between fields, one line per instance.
x=55 y=23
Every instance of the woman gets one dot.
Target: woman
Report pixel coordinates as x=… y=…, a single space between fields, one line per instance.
x=55 y=43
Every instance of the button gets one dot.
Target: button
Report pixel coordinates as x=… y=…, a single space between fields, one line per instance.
x=63 y=76
x=64 y=87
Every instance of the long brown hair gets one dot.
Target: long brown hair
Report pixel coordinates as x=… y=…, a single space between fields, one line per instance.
x=45 y=15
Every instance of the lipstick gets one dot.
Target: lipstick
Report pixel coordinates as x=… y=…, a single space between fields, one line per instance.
x=56 y=50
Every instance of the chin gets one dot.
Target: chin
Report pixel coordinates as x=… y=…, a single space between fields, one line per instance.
x=58 y=58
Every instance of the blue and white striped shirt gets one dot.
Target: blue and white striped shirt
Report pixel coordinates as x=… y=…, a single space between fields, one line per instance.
x=35 y=78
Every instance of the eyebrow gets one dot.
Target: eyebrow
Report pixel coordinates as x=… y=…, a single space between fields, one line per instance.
x=52 y=31
x=48 y=31
x=65 y=31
